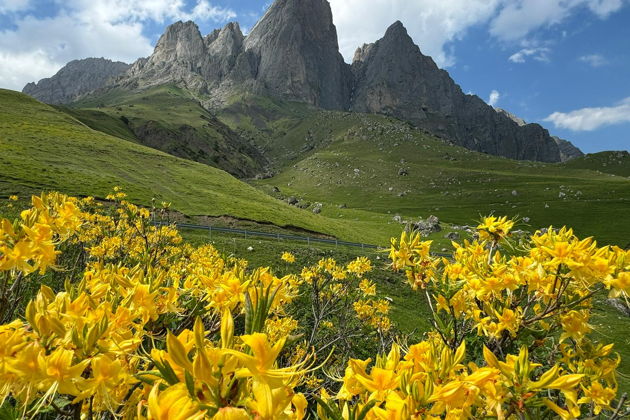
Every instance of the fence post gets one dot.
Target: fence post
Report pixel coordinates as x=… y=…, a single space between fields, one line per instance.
x=278 y=237
x=336 y=242
x=308 y=240
x=210 y=232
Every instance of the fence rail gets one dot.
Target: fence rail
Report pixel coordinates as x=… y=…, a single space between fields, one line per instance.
x=269 y=235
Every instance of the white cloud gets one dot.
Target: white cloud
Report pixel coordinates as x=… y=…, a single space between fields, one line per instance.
x=538 y=54
x=432 y=24
x=589 y=119
x=10 y=6
x=518 y=18
x=205 y=11
x=113 y=29
x=494 y=98
x=594 y=60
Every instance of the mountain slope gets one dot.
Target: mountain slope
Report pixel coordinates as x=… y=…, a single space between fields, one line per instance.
x=44 y=149
x=75 y=79
x=384 y=166
x=170 y=119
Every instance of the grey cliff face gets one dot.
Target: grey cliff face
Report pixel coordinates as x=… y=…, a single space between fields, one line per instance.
x=75 y=79
x=393 y=77
x=298 y=54
x=567 y=150
x=292 y=53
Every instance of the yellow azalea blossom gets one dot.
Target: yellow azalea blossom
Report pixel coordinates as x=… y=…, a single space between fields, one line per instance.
x=288 y=257
x=174 y=403
x=495 y=228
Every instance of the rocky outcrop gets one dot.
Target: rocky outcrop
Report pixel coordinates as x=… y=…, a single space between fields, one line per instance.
x=291 y=53
x=568 y=151
x=297 y=54
x=521 y=122
x=393 y=77
x=74 y=80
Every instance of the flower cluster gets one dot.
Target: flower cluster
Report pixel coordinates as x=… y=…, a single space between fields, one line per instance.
x=146 y=329
x=527 y=311
x=147 y=326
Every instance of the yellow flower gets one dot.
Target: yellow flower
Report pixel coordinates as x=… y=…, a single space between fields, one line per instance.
x=367 y=287
x=173 y=403
x=495 y=228
x=231 y=413
x=288 y=257
x=13 y=197
x=575 y=325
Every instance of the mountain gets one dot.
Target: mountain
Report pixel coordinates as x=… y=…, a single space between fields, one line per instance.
x=75 y=79
x=393 y=77
x=292 y=54
x=568 y=151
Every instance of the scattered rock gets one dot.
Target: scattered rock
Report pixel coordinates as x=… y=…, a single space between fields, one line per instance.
x=453 y=236
x=403 y=172
x=619 y=305
x=292 y=200
x=428 y=226
x=275 y=189
x=514 y=193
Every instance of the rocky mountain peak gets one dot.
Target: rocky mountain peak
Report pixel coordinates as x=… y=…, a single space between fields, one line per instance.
x=393 y=77
x=397 y=31
x=297 y=53
x=75 y=79
x=521 y=122
x=568 y=150
x=180 y=41
x=228 y=40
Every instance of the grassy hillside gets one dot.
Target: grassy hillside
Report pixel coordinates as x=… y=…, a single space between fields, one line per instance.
x=380 y=165
x=44 y=149
x=173 y=121
x=101 y=121
x=615 y=163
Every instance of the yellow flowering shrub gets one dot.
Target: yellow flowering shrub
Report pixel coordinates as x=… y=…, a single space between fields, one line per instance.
x=146 y=329
x=146 y=326
x=524 y=316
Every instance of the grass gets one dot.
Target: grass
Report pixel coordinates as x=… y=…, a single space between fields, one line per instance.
x=44 y=149
x=360 y=168
x=171 y=120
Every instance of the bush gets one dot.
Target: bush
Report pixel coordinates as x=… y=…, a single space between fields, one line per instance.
x=146 y=326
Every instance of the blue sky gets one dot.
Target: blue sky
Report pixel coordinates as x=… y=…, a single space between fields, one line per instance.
x=562 y=63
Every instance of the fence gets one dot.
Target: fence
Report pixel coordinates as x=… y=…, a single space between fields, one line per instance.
x=269 y=235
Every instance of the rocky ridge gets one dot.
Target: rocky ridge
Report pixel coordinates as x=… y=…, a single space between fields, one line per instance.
x=75 y=79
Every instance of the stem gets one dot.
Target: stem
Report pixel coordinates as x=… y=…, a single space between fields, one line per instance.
x=617 y=412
